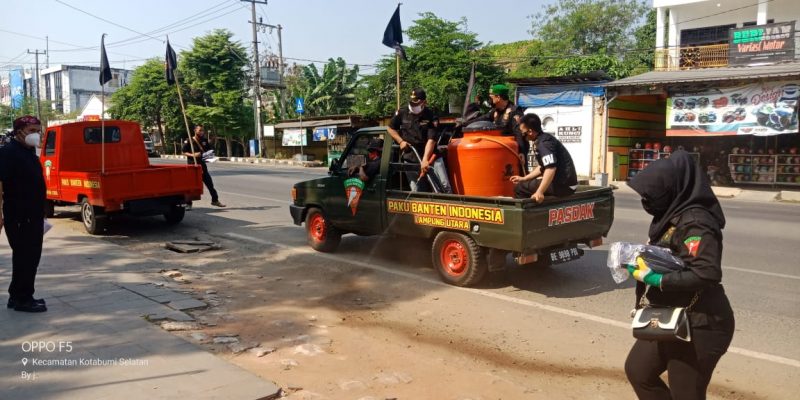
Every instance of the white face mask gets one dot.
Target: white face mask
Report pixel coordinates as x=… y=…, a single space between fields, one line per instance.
x=33 y=139
x=415 y=109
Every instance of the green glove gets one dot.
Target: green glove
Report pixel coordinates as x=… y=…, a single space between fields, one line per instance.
x=642 y=273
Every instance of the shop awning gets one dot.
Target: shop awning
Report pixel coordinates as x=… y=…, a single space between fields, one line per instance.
x=786 y=70
x=313 y=124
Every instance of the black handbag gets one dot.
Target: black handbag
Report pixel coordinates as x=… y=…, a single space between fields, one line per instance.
x=662 y=324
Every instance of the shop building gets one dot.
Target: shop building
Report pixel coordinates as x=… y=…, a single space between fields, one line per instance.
x=312 y=139
x=726 y=89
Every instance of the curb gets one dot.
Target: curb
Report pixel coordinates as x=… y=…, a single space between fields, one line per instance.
x=256 y=160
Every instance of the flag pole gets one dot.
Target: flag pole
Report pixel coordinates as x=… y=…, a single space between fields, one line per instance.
x=102 y=117
x=171 y=57
x=397 y=62
x=185 y=120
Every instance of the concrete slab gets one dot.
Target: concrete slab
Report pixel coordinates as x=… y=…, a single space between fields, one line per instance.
x=790 y=196
x=189 y=304
x=757 y=196
x=726 y=192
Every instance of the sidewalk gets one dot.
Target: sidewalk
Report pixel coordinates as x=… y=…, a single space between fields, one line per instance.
x=94 y=342
x=786 y=196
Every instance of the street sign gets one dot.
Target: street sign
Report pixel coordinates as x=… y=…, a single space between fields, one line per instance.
x=299 y=106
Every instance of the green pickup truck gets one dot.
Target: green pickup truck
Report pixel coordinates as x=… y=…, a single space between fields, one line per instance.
x=471 y=235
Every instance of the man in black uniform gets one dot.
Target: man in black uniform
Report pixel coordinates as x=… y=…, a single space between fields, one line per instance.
x=416 y=126
x=555 y=165
x=506 y=116
x=201 y=146
x=23 y=196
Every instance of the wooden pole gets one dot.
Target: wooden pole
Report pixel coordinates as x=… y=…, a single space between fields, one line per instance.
x=397 y=62
x=185 y=120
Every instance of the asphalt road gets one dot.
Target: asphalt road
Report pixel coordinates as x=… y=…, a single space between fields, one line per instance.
x=761 y=263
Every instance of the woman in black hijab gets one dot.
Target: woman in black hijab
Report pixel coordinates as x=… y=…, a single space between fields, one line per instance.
x=687 y=219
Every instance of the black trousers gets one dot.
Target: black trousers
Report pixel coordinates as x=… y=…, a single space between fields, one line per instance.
x=689 y=365
x=209 y=183
x=526 y=189
x=25 y=239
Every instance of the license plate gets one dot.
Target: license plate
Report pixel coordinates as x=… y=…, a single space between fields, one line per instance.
x=565 y=254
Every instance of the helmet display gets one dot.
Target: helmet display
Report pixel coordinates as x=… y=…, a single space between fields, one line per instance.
x=657 y=146
x=648 y=146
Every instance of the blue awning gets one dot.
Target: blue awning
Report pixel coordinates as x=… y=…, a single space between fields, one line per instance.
x=561 y=95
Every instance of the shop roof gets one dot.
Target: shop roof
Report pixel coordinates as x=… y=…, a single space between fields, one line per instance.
x=591 y=77
x=316 y=123
x=710 y=74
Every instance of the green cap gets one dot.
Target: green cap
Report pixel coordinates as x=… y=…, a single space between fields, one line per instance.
x=499 y=89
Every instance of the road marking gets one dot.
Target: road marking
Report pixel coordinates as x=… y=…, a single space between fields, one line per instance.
x=258 y=197
x=753 y=271
x=558 y=310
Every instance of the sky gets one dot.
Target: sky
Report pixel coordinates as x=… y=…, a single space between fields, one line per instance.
x=312 y=29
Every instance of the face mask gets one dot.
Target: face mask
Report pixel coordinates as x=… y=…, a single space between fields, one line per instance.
x=33 y=139
x=657 y=207
x=415 y=109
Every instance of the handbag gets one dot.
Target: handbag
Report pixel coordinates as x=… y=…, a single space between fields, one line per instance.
x=662 y=324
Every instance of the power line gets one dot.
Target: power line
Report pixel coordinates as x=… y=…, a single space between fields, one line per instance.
x=107 y=21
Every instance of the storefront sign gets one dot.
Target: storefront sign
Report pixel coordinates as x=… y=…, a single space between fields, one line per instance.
x=762 y=43
x=763 y=109
x=324 y=133
x=294 y=137
x=269 y=131
x=569 y=134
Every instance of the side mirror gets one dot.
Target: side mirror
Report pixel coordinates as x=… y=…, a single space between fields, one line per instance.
x=335 y=166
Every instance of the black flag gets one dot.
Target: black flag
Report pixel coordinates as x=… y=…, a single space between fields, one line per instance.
x=105 y=69
x=171 y=64
x=393 y=35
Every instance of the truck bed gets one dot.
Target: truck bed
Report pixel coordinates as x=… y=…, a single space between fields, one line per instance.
x=519 y=225
x=116 y=186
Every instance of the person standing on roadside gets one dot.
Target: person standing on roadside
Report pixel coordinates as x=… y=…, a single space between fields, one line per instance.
x=201 y=146
x=22 y=199
x=688 y=220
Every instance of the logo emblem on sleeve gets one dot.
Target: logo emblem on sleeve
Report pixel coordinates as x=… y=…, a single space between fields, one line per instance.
x=692 y=243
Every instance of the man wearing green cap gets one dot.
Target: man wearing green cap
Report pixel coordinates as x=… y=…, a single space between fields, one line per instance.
x=505 y=115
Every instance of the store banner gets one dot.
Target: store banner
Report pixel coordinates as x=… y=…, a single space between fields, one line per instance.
x=294 y=137
x=763 y=109
x=762 y=44
x=16 y=78
x=324 y=133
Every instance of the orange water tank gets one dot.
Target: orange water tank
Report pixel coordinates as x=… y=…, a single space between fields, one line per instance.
x=481 y=163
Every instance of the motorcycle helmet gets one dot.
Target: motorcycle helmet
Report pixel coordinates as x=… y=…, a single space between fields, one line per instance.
x=691 y=103
x=735 y=150
x=667 y=149
x=657 y=146
x=760 y=151
x=702 y=102
x=720 y=102
x=793 y=150
x=771 y=151
x=690 y=116
x=678 y=104
x=695 y=149
x=648 y=146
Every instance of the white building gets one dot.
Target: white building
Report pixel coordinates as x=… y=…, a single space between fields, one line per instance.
x=69 y=87
x=696 y=33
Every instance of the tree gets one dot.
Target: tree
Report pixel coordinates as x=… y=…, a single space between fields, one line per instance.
x=214 y=71
x=581 y=36
x=584 y=27
x=439 y=60
x=331 y=93
x=148 y=100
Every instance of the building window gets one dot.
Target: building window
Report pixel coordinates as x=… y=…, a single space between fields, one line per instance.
x=706 y=36
x=48 y=96
x=59 y=95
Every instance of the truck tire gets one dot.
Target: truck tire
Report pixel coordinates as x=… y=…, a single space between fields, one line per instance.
x=92 y=217
x=175 y=214
x=458 y=259
x=322 y=236
x=50 y=209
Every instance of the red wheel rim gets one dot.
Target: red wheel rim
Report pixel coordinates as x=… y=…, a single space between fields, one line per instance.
x=317 y=228
x=454 y=257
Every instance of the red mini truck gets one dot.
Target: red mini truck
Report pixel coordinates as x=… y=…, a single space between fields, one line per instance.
x=113 y=176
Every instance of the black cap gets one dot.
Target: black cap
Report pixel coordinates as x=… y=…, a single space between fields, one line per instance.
x=375 y=144
x=417 y=96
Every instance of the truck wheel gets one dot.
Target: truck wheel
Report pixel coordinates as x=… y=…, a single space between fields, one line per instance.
x=50 y=209
x=175 y=214
x=93 y=222
x=321 y=235
x=458 y=259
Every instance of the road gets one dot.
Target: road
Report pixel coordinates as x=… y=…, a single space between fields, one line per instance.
x=577 y=302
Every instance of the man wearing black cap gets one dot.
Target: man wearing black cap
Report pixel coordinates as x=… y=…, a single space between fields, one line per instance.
x=416 y=127
x=373 y=164
x=505 y=116
x=22 y=201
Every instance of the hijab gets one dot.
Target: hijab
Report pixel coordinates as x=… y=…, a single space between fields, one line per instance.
x=671 y=186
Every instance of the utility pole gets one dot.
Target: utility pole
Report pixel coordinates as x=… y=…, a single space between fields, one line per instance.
x=280 y=65
x=257 y=68
x=47 y=51
x=36 y=52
